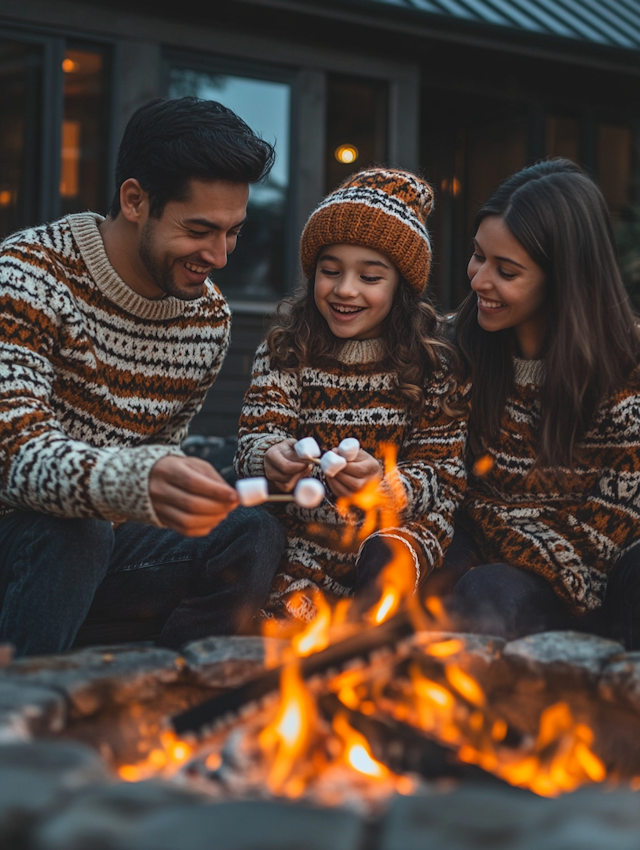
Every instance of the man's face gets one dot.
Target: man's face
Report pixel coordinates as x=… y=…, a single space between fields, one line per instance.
x=193 y=237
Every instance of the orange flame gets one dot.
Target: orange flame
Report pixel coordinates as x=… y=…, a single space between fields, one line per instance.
x=356 y=750
x=164 y=760
x=315 y=636
x=286 y=739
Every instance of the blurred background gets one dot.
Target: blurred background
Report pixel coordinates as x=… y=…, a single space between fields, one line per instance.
x=466 y=92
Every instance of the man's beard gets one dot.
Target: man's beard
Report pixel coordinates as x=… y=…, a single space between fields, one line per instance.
x=161 y=268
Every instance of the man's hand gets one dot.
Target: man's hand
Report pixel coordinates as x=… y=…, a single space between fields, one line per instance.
x=189 y=496
x=355 y=475
x=283 y=467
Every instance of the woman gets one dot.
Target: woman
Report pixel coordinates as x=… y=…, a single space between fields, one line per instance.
x=552 y=346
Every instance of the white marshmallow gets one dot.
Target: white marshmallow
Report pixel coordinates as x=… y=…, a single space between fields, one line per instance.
x=331 y=463
x=309 y=492
x=252 y=491
x=307 y=448
x=349 y=448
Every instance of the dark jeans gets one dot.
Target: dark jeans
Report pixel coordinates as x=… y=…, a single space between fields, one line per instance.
x=55 y=572
x=504 y=600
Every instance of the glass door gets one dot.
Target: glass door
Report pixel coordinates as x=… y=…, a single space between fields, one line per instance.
x=256 y=270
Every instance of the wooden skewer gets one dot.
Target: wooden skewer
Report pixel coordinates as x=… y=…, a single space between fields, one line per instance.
x=280 y=497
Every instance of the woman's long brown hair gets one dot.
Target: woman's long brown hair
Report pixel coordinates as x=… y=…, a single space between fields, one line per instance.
x=415 y=343
x=560 y=217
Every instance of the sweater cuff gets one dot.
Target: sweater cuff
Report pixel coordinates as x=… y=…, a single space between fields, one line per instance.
x=119 y=485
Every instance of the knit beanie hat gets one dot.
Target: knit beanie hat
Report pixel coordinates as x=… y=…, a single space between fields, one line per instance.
x=380 y=208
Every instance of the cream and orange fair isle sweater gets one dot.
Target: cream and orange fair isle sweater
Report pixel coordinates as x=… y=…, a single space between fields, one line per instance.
x=97 y=382
x=569 y=526
x=355 y=397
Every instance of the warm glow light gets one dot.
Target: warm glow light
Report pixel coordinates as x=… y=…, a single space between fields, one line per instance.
x=444 y=648
x=284 y=741
x=388 y=604
x=5 y=198
x=465 y=685
x=69 y=66
x=483 y=466
x=316 y=635
x=347 y=154
x=356 y=750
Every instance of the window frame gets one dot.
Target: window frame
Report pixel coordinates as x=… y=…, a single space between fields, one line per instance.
x=54 y=42
x=214 y=64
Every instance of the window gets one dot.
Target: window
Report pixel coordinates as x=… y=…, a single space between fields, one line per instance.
x=256 y=270
x=83 y=148
x=54 y=130
x=20 y=99
x=356 y=126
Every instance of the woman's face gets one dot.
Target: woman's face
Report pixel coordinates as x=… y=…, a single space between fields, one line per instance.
x=510 y=286
x=354 y=289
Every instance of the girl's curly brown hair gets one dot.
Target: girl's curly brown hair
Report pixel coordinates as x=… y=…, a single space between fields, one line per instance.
x=414 y=339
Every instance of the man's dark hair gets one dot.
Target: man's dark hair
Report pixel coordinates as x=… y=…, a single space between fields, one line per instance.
x=169 y=142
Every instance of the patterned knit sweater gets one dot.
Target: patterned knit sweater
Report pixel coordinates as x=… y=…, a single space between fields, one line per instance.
x=568 y=527
x=353 y=399
x=97 y=382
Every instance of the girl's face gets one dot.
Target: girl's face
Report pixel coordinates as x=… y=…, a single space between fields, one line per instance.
x=354 y=289
x=510 y=286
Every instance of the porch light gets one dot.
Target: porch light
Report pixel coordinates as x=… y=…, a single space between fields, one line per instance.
x=347 y=154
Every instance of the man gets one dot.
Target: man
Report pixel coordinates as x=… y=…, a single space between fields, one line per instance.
x=110 y=335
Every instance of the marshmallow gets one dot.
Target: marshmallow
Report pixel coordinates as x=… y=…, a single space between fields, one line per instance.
x=309 y=492
x=349 y=448
x=252 y=491
x=307 y=448
x=331 y=463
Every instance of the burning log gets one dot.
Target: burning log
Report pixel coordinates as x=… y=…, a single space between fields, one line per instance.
x=366 y=647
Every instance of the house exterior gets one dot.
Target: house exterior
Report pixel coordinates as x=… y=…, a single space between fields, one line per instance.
x=466 y=91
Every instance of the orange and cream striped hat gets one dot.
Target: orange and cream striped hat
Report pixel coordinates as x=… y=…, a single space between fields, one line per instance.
x=381 y=208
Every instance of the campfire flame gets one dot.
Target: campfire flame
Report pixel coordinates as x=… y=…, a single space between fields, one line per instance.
x=287 y=738
x=449 y=704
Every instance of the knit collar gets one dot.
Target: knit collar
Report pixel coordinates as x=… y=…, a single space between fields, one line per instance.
x=356 y=351
x=528 y=371
x=84 y=227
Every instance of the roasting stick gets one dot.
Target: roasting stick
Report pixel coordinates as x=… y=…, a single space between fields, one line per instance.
x=308 y=493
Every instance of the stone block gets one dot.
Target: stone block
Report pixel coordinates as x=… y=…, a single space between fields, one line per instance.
x=227 y=662
x=95 y=677
x=105 y=816
x=620 y=680
x=507 y=819
x=561 y=655
x=249 y=825
x=27 y=710
x=37 y=777
x=472 y=818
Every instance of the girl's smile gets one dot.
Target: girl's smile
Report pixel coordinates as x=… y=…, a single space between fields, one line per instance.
x=354 y=289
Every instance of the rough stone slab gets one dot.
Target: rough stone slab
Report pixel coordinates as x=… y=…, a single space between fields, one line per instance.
x=620 y=680
x=27 y=710
x=561 y=654
x=105 y=816
x=464 y=820
x=6 y=654
x=249 y=825
x=37 y=777
x=507 y=819
x=98 y=676
x=227 y=662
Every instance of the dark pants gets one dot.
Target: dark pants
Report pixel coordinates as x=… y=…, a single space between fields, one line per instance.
x=504 y=600
x=55 y=572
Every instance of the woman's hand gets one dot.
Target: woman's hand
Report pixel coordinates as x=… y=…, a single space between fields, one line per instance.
x=355 y=475
x=283 y=467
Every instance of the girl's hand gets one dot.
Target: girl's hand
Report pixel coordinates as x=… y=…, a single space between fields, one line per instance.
x=355 y=475
x=283 y=467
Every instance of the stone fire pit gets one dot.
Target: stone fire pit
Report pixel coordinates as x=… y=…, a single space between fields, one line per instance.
x=68 y=721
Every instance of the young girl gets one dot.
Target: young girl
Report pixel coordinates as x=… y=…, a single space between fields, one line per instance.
x=358 y=353
x=553 y=348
